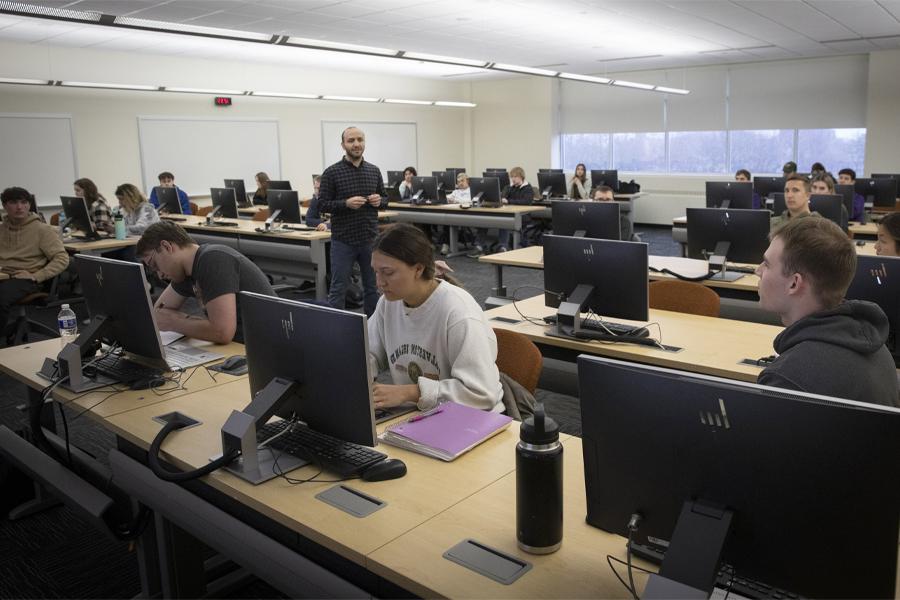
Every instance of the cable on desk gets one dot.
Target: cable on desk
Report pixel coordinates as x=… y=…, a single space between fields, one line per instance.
x=533 y=320
x=682 y=277
x=180 y=476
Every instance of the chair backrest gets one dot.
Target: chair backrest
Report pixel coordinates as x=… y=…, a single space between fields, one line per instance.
x=684 y=296
x=194 y=208
x=261 y=215
x=518 y=357
x=54 y=219
x=203 y=211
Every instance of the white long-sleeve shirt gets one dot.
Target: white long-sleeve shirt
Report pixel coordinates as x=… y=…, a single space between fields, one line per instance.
x=445 y=346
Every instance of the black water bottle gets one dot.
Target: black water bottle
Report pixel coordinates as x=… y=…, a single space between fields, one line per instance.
x=539 y=485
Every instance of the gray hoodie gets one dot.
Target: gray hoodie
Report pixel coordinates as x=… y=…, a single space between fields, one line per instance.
x=838 y=352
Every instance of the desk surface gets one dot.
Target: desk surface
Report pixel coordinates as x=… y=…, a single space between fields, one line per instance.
x=863 y=229
x=508 y=209
x=709 y=345
x=98 y=245
x=246 y=227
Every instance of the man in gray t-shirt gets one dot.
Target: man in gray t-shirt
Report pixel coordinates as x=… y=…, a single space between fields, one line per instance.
x=212 y=273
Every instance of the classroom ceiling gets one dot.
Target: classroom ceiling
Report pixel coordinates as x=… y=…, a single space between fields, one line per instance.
x=577 y=36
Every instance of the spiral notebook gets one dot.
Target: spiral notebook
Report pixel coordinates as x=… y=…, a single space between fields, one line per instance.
x=447 y=431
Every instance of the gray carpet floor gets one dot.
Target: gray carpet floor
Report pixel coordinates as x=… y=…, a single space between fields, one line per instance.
x=56 y=555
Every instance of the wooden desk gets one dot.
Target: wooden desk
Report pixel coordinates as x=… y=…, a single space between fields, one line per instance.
x=709 y=345
x=508 y=217
x=869 y=230
x=98 y=246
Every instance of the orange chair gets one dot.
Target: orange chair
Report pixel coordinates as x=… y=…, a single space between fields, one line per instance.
x=261 y=215
x=194 y=208
x=685 y=297
x=202 y=212
x=54 y=219
x=518 y=357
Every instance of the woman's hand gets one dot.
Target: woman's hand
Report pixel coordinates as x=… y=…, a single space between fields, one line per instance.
x=387 y=395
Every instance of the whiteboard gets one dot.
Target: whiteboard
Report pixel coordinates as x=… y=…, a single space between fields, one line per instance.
x=201 y=153
x=389 y=146
x=38 y=154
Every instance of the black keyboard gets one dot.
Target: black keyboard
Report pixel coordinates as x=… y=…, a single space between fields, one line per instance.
x=124 y=370
x=344 y=458
x=607 y=327
x=749 y=588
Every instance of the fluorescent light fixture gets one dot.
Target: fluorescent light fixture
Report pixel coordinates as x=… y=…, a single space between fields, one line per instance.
x=668 y=90
x=188 y=28
x=525 y=70
x=326 y=45
x=587 y=78
x=22 y=81
x=460 y=104
x=398 y=101
x=204 y=91
x=286 y=95
x=44 y=11
x=109 y=86
x=633 y=85
x=350 y=98
x=450 y=60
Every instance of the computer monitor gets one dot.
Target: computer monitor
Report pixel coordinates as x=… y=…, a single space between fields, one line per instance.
x=880 y=192
x=284 y=206
x=846 y=192
x=607 y=177
x=766 y=186
x=829 y=206
x=291 y=348
x=78 y=216
x=425 y=189
x=552 y=184
x=240 y=192
x=502 y=175
x=598 y=220
x=446 y=180
x=550 y=170
x=895 y=176
x=733 y=234
x=279 y=185
x=394 y=178
x=224 y=202
x=779 y=205
x=456 y=169
x=791 y=489
x=608 y=277
x=496 y=169
x=729 y=194
x=877 y=280
x=485 y=191
x=168 y=200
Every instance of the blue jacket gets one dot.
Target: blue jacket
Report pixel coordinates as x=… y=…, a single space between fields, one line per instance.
x=859 y=208
x=182 y=198
x=313 y=218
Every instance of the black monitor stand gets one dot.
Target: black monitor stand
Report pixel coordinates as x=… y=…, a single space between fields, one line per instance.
x=239 y=433
x=568 y=315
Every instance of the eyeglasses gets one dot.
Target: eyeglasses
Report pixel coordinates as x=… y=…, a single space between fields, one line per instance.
x=150 y=262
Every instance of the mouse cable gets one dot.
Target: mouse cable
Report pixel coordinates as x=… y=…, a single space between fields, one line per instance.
x=165 y=474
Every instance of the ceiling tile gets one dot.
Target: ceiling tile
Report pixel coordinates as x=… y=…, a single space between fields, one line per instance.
x=851 y=46
x=800 y=17
x=863 y=18
x=172 y=12
x=112 y=7
x=222 y=19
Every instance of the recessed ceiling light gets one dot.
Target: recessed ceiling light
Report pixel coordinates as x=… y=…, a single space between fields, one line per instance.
x=109 y=86
x=525 y=70
x=398 y=101
x=350 y=98
x=185 y=90
x=459 y=104
x=22 y=81
x=286 y=95
x=325 y=45
x=586 y=78
x=669 y=90
x=450 y=60
x=633 y=85
x=188 y=28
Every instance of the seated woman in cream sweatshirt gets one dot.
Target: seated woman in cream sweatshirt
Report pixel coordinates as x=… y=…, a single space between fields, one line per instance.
x=430 y=333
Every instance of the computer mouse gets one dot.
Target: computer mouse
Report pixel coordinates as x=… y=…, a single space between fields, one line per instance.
x=233 y=363
x=389 y=468
x=145 y=383
x=860 y=242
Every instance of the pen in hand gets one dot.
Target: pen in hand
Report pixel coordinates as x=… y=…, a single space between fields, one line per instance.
x=425 y=415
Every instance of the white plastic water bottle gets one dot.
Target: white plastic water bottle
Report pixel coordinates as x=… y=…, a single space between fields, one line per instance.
x=68 y=325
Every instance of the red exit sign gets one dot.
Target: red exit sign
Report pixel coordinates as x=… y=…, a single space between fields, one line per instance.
x=222 y=101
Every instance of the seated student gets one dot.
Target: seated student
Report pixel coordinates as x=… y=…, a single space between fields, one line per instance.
x=830 y=346
x=518 y=192
x=817 y=168
x=789 y=168
x=96 y=205
x=823 y=183
x=313 y=217
x=405 y=188
x=137 y=213
x=167 y=180
x=462 y=195
x=797 y=190
x=604 y=193
x=578 y=185
x=848 y=177
x=744 y=175
x=31 y=252
x=888 y=243
x=260 y=196
x=212 y=273
x=430 y=333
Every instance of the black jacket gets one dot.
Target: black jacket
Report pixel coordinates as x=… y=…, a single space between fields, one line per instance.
x=838 y=352
x=520 y=194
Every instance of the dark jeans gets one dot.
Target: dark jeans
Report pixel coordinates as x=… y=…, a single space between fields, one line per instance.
x=342 y=258
x=11 y=291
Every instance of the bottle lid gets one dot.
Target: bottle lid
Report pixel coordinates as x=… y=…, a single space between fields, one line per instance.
x=539 y=428
x=65 y=307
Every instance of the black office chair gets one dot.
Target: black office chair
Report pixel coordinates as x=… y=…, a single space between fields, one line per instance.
x=23 y=327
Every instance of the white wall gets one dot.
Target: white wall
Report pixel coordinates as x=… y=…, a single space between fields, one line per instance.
x=883 y=120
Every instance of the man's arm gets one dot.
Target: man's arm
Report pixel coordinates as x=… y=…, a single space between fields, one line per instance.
x=185 y=201
x=57 y=257
x=170 y=298
x=219 y=326
x=153 y=199
x=328 y=203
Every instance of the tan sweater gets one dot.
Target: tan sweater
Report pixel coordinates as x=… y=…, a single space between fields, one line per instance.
x=34 y=247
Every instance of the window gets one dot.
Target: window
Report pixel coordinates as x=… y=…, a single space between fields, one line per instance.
x=645 y=152
x=697 y=151
x=761 y=151
x=834 y=148
x=592 y=149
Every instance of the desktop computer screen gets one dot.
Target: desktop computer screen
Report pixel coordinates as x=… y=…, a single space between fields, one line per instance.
x=880 y=192
x=877 y=280
x=168 y=200
x=446 y=180
x=299 y=342
x=284 y=205
x=279 y=185
x=500 y=174
x=746 y=232
x=895 y=176
x=394 y=178
x=78 y=216
x=778 y=203
x=829 y=206
x=729 y=194
x=766 y=186
x=224 y=202
x=608 y=277
x=598 y=220
x=552 y=184
x=550 y=170
x=607 y=177
x=809 y=483
x=485 y=191
x=240 y=192
x=425 y=189
x=846 y=192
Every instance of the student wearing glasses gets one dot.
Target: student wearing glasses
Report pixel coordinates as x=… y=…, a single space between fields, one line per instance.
x=211 y=273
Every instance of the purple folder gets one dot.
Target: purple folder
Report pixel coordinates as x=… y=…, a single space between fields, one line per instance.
x=453 y=431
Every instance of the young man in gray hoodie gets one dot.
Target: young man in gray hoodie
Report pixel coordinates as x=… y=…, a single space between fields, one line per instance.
x=830 y=346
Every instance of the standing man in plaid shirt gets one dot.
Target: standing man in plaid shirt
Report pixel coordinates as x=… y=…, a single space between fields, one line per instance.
x=352 y=191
